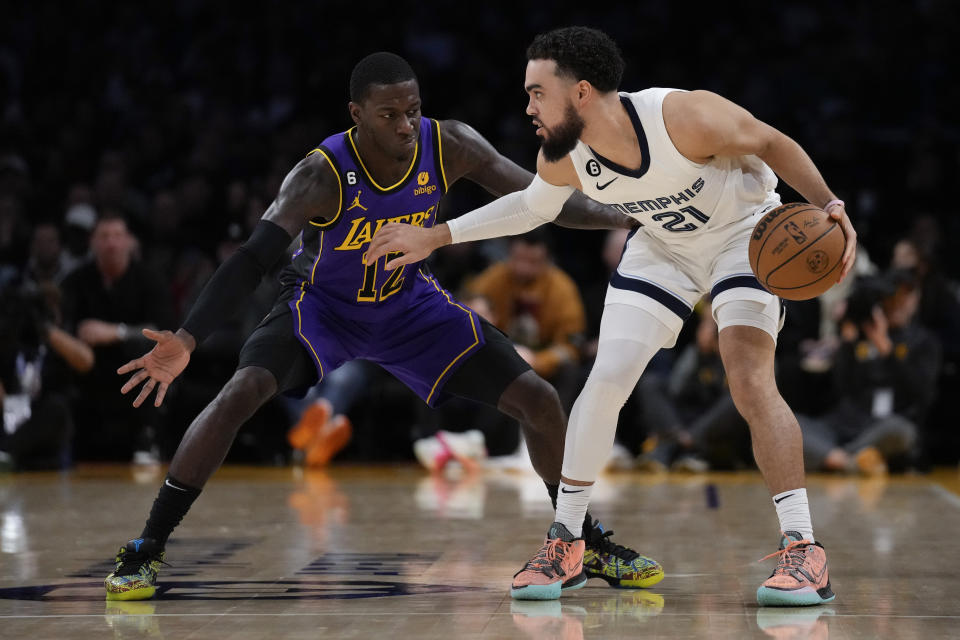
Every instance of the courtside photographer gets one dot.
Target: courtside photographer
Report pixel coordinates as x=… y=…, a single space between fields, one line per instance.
x=38 y=361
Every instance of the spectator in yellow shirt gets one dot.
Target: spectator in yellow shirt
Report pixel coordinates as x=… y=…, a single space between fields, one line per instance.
x=539 y=307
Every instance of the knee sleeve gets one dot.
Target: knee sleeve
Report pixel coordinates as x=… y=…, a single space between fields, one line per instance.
x=767 y=316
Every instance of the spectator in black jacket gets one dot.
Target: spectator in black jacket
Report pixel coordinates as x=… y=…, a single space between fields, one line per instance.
x=106 y=303
x=885 y=374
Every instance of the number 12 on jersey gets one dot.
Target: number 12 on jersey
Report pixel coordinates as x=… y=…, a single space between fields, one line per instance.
x=368 y=292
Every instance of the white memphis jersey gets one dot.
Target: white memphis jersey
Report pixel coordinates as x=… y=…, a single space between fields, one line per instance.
x=673 y=197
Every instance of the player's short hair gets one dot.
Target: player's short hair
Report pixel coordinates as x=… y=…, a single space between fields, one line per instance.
x=582 y=53
x=381 y=67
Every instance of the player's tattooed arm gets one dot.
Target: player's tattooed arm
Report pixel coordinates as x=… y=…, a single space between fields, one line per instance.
x=581 y=212
x=467 y=154
x=310 y=190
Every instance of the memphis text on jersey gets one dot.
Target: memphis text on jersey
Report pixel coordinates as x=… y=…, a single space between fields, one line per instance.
x=670 y=220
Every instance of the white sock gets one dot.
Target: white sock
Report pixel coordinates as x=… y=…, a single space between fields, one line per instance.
x=572 y=501
x=793 y=511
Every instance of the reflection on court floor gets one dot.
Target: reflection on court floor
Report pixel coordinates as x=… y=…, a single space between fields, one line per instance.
x=391 y=551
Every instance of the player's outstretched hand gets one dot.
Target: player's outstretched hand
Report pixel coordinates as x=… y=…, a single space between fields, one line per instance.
x=839 y=213
x=412 y=244
x=168 y=358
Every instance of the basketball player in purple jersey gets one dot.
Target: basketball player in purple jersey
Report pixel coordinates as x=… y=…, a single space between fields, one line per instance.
x=393 y=166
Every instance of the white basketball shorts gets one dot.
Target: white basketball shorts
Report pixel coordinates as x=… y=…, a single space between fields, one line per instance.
x=668 y=279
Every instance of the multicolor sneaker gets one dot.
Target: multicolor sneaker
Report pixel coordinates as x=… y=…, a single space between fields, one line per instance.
x=801 y=576
x=620 y=566
x=135 y=577
x=558 y=566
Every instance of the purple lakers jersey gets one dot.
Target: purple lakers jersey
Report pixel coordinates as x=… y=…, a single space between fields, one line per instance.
x=402 y=320
x=330 y=260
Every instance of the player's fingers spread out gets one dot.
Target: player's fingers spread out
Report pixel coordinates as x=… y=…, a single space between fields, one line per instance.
x=156 y=336
x=133 y=365
x=134 y=381
x=145 y=392
x=161 y=394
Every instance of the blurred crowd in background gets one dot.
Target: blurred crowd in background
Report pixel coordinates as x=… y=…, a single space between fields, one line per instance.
x=139 y=145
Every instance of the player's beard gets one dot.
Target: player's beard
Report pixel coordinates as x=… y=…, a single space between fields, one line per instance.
x=562 y=138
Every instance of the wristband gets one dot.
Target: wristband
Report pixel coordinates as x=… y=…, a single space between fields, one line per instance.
x=835 y=201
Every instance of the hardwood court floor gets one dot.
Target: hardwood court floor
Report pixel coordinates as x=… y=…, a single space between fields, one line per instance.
x=389 y=552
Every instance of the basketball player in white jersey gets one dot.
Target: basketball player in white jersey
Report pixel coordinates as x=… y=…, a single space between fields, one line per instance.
x=698 y=172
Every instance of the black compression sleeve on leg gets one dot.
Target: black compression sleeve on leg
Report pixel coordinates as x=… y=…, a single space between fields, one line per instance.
x=171 y=504
x=233 y=282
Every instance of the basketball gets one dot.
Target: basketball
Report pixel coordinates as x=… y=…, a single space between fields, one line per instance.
x=795 y=251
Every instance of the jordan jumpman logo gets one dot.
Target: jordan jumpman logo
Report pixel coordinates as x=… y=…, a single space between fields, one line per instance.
x=356 y=201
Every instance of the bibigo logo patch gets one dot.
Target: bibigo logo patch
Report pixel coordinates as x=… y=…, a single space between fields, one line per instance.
x=424 y=189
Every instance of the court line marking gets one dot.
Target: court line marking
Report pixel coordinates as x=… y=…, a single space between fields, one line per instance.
x=946 y=494
x=450 y=613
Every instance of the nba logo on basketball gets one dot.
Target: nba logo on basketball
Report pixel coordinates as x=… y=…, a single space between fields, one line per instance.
x=794 y=249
